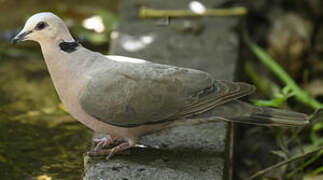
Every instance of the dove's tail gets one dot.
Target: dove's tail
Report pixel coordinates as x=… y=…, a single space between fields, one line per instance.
x=241 y=112
x=269 y=117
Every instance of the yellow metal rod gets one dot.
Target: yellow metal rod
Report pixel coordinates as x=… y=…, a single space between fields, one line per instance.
x=145 y=12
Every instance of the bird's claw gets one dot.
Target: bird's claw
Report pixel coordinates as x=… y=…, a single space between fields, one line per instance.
x=110 y=152
x=107 y=141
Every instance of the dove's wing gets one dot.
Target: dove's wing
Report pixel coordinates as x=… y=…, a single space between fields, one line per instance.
x=132 y=94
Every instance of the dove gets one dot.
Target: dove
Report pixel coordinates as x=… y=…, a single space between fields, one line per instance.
x=127 y=98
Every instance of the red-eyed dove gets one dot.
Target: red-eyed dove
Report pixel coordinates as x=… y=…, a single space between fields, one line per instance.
x=127 y=97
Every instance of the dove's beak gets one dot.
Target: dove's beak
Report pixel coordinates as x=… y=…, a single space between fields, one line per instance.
x=20 y=37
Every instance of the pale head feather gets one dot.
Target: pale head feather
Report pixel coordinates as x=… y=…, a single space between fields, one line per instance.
x=55 y=30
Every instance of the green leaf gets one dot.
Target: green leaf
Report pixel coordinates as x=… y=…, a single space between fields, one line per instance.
x=317 y=171
x=269 y=103
x=271 y=64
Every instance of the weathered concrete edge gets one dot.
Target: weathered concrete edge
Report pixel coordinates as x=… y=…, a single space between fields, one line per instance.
x=229 y=147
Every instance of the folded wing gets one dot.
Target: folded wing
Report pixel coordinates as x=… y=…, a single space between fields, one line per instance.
x=130 y=94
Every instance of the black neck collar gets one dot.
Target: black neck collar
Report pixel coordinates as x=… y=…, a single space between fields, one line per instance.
x=69 y=47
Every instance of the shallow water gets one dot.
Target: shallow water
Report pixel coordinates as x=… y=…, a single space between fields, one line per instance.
x=38 y=139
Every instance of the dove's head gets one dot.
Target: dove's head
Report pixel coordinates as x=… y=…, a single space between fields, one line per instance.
x=44 y=27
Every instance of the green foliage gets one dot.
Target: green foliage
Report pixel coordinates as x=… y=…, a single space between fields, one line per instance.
x=300 y=95
x=110 y=21
x=289 y=144
x=278 y=99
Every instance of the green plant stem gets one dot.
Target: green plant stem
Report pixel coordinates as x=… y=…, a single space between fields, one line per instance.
x=317 y=171
x=145 y=12
x=310 y=161
x=295 y=158
x=300 y=95
x=262 y=83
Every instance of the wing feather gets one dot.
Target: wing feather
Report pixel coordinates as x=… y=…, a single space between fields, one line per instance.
x=132 y=94
x=223 y=92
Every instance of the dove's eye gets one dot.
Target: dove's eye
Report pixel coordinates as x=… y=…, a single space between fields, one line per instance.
x=41 y=25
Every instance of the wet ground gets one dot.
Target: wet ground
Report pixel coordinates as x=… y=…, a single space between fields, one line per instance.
x=38 y=139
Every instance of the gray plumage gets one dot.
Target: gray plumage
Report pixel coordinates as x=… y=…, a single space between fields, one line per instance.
x=132 y=94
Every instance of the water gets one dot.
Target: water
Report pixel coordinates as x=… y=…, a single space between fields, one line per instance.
x=38 y=139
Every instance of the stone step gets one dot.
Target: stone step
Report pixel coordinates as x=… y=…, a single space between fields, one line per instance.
x=206 y=43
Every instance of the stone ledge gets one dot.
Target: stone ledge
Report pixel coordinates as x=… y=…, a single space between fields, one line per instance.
x=186 y=152
x=173 y=154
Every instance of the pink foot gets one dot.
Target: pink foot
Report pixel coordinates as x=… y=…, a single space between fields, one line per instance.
x=110 y=152
x=107 y=141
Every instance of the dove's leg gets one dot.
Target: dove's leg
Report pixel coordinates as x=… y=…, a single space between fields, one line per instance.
x=110 y=152
x=106 y=141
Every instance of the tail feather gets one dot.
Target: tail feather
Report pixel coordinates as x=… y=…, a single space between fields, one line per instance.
x=241 y=112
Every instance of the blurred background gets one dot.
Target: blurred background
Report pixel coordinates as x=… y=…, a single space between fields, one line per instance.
x=39 y=140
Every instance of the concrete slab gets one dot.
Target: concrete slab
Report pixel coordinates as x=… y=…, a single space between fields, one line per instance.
x=206 y=43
